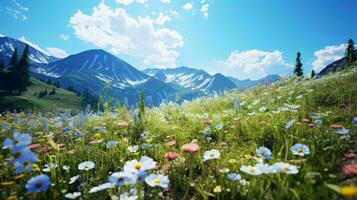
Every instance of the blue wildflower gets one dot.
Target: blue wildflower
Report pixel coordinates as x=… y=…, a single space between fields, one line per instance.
x=78 y=134
x=343 y=131
x=300 y=149
x=38 y=183
x=122 y=178
x=354 y=121
x=264 y=153
x=111 y=144
x=234 y=177
x=67 y=129
x=18 y=140
x=290 y=123
x=317 y=121
x=24 y=163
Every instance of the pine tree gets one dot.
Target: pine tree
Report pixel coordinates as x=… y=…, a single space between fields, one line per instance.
x=298 y=66
x=313 y=74
x=13 y=73
x=350 y=52
x=13 y=60
x=23 y=71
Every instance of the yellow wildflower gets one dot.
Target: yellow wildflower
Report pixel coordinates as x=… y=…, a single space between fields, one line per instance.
x=348 y=191
x=20 y=176
x=217 y=189
x=7 y=183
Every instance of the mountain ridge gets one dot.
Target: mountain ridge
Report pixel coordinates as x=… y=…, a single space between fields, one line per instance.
x=8 y=46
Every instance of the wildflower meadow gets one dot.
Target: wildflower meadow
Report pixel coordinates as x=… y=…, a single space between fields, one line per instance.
x=294 y=139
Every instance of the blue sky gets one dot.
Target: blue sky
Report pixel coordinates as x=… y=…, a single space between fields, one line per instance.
x=241 y=38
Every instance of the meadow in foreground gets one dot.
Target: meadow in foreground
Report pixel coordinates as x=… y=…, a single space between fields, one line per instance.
x=284 y=141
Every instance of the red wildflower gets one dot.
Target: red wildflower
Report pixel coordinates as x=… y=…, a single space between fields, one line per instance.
x=349 y=170
x=207 y=122
x=190 y=148
x=336 y=126
x=171 y=155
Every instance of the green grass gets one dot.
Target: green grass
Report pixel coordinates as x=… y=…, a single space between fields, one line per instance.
x=62 y=98
x=333 y=98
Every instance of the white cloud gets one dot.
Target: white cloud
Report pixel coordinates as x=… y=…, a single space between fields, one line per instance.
x=15 y=10
x=56 y=52
x=162 y=19
x=142 y=1
x=116 y=31
x=204 y=10
x=64 y=37
x=254 y=63
x=50 y=51
x=165 y=1
x=188 y=6
x=328 y=55
x=13 y=13
x=21 y=7
x=173 y=13
x=127 y=2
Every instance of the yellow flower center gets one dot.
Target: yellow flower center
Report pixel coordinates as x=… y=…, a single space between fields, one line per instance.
x=211 y=154
x=251 y=170
x=263 y=153
x=86 y=166
x=299 y=150
x=157 y=181
x=137 y=166
x=286 y=168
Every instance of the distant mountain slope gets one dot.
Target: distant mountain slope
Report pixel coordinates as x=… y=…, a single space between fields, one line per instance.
x=63 y=99
x=92 y=69
x=334 y=66
x=192 y=79
x=8 y=46
x=247 y=83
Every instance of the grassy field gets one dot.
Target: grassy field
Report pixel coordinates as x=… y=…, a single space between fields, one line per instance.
x=247 y=147
x=62 y=98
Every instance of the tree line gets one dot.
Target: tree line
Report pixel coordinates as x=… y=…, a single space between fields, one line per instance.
x=350 y=58
x=17 y=76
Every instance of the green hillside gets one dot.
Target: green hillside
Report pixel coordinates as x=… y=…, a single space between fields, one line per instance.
x=28 y=100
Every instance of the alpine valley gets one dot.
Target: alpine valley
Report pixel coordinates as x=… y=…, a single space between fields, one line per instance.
x=98 y=71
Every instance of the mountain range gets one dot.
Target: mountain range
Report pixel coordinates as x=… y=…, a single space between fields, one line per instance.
x=93 y=70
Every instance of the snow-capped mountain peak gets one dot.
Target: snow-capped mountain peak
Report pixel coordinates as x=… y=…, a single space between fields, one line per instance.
x=8 y=46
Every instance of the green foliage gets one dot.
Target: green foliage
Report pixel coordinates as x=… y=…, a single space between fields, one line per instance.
x=298 y=66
